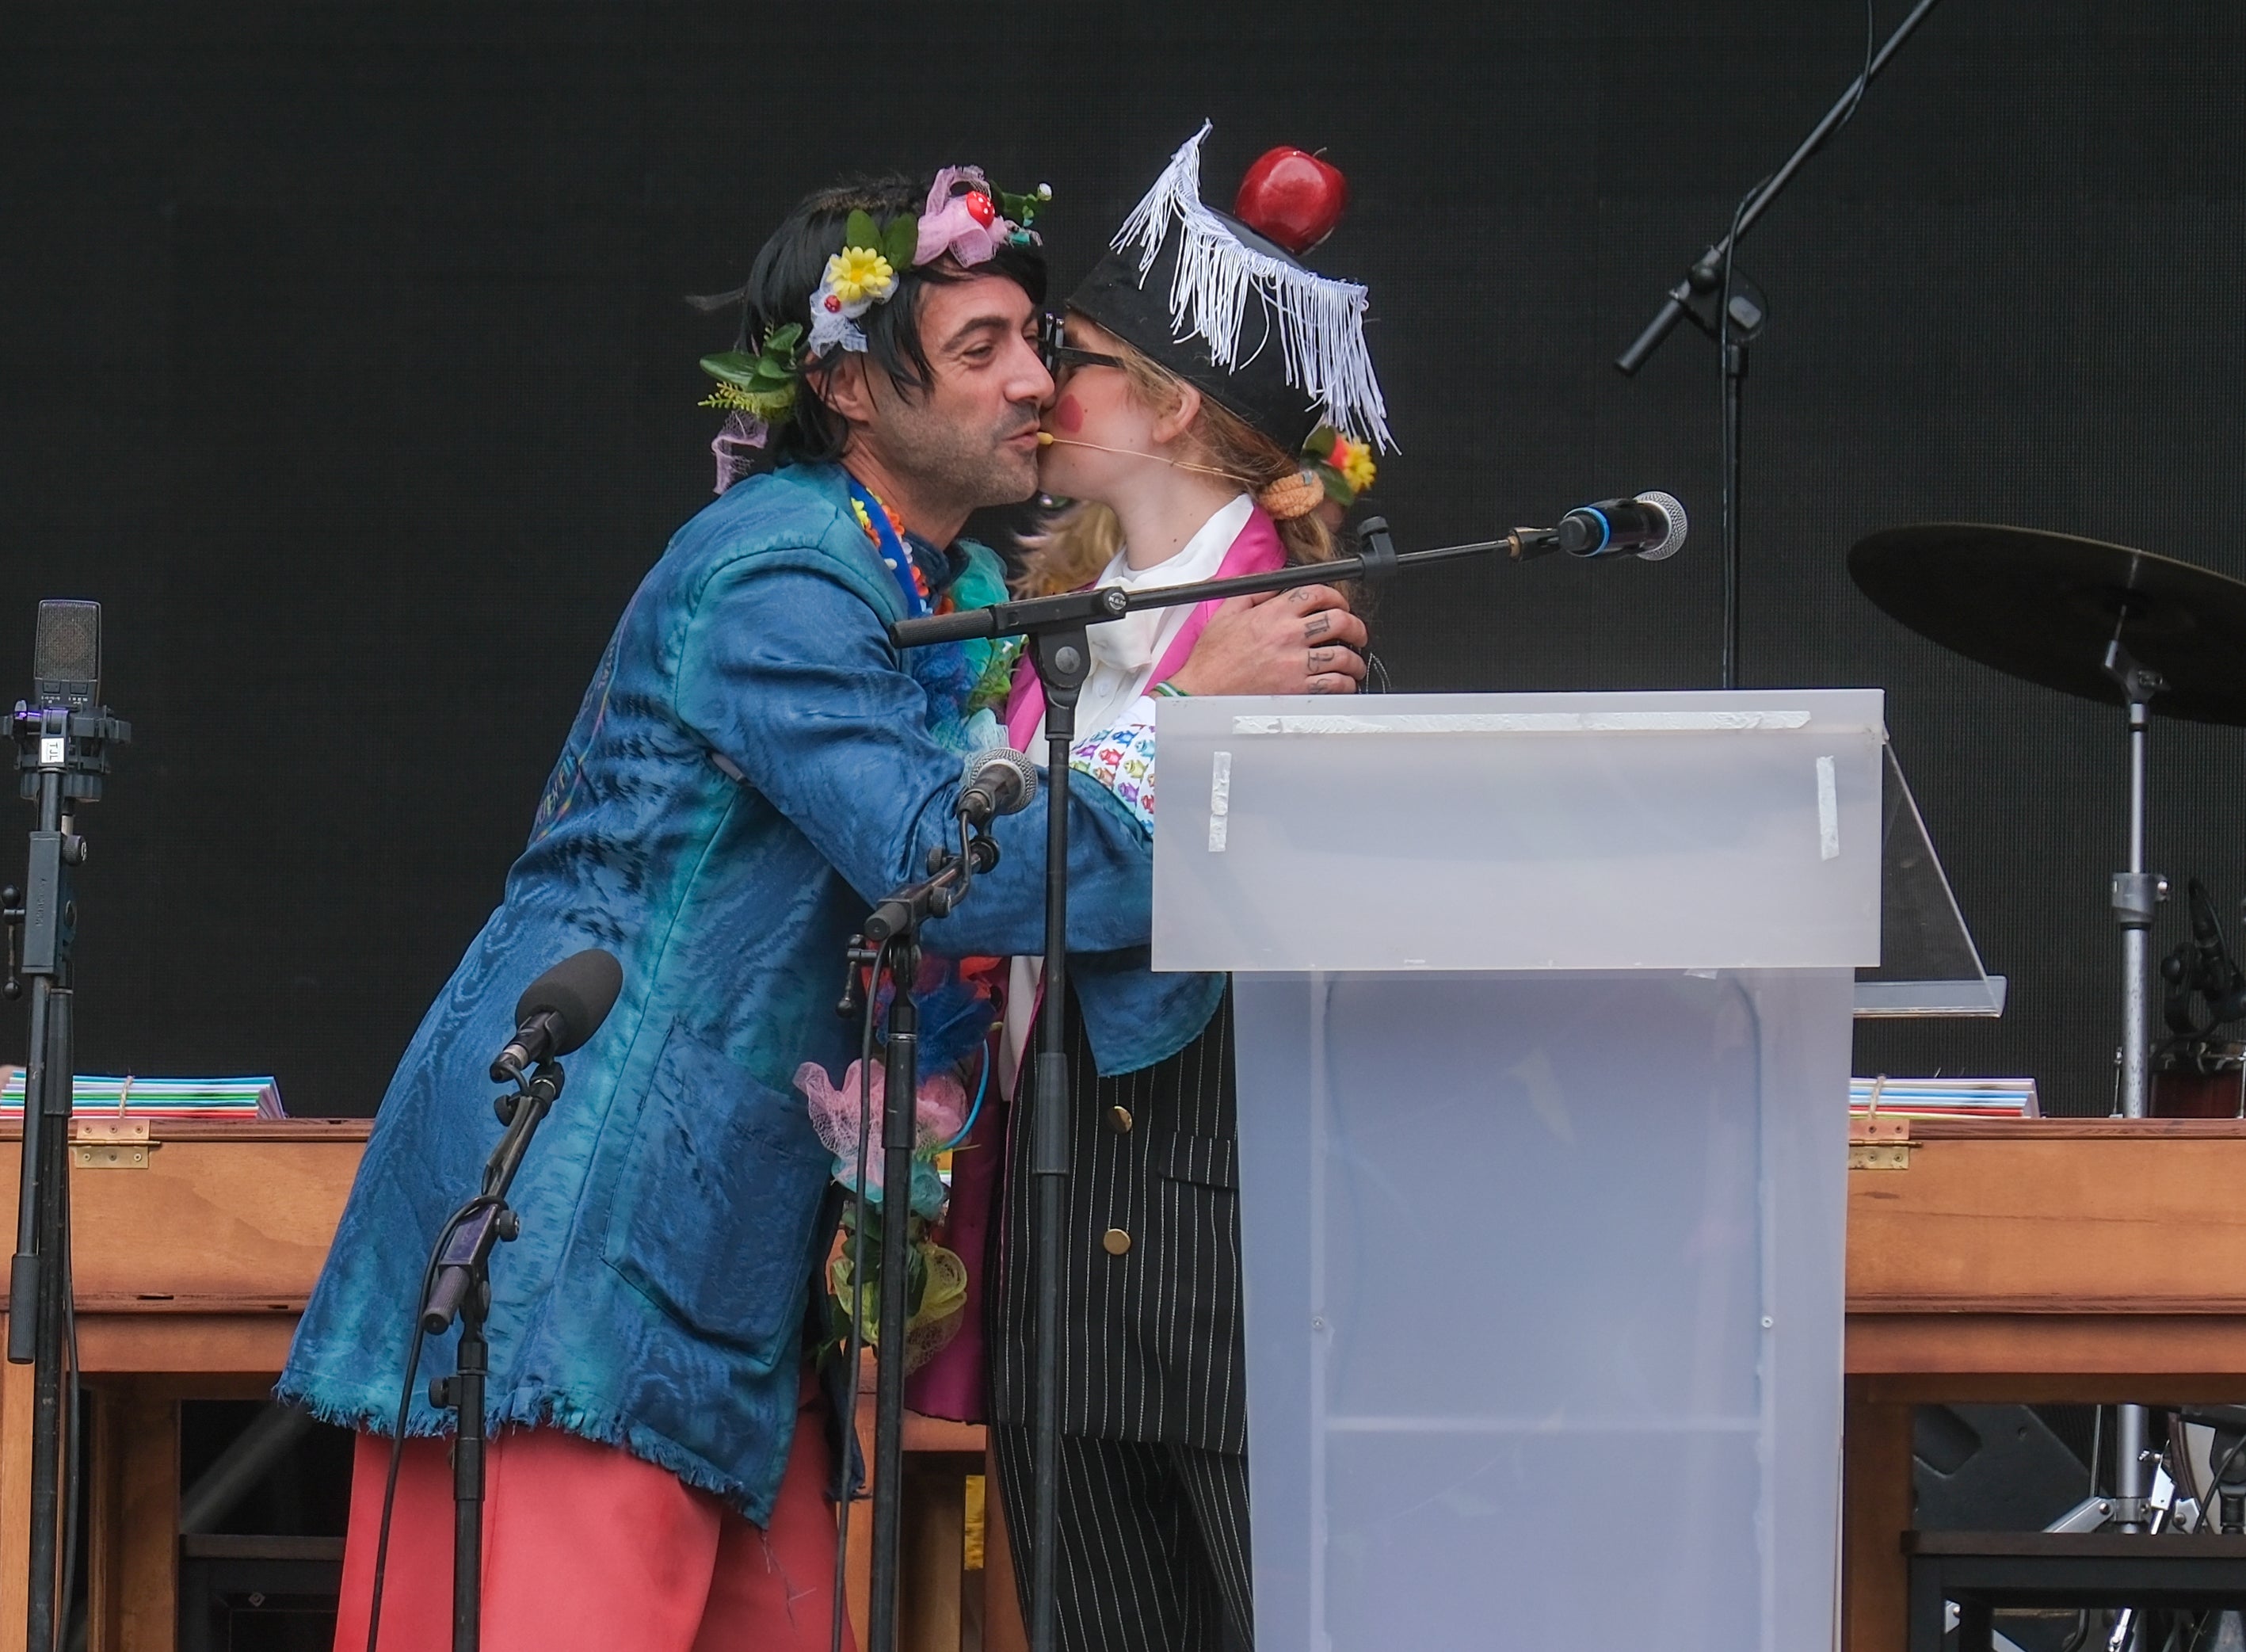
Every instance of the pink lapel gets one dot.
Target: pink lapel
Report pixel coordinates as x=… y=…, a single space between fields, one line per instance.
x=1257 y=550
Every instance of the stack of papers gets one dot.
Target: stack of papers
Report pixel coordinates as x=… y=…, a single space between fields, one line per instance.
x=1946 y=1097
x=156 y=1098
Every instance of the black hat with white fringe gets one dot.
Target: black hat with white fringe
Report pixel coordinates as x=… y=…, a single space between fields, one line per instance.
x=1232 y=311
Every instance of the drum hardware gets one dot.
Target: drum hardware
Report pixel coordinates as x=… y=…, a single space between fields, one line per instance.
x=2102 y=622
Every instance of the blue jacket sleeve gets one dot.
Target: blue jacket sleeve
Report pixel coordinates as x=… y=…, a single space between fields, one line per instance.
x=789 y=673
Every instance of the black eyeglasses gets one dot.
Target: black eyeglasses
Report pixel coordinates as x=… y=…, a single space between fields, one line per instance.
x=1059 y=354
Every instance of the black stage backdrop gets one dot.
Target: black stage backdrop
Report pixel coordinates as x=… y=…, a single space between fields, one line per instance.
x=345 y=363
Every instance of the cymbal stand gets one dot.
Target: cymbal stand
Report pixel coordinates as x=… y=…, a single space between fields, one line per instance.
x=2137 y=896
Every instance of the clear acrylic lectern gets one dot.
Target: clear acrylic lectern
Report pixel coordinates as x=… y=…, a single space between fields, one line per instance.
x=1544 y=1005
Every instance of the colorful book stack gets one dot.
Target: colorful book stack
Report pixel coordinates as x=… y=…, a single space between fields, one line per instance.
x=156 y=1099
x=1945 y=1097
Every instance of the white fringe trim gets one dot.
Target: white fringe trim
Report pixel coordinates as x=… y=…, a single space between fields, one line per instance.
x=1321 y=321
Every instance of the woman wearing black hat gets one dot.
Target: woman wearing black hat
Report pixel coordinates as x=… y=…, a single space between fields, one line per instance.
x=1199 y=355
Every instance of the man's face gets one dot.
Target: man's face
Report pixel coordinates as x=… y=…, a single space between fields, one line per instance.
x=970 y=438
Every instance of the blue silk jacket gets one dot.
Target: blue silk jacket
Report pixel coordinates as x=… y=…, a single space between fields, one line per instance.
x=753 y=766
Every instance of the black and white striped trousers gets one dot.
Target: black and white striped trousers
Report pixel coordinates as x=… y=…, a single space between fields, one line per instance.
x=1153 y=1544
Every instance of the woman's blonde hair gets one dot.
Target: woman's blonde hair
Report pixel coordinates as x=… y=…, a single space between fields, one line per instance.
x=1079 y=540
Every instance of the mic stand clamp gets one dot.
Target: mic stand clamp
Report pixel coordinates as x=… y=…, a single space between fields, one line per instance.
x=461 y=1289
x=895 y=925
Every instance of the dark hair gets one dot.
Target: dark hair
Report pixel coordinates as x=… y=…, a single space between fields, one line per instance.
x=790 y=266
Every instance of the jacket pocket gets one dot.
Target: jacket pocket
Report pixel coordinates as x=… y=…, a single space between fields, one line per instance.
x=1209 y=1161
x=716 y=1206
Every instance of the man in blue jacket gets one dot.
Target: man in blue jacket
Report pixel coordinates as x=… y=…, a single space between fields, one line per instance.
x=752 y=766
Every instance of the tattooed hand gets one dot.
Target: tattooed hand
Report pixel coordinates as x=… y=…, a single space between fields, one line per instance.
x=1300 y=642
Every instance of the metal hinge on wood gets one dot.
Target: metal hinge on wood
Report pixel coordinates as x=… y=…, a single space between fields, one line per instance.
x=1879 y=1141
x=111 y=1144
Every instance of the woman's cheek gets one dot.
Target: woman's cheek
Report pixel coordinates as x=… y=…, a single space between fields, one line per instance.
x=1068 y=413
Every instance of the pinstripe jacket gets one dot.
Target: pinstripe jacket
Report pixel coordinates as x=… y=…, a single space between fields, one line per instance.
x=1151 y=1327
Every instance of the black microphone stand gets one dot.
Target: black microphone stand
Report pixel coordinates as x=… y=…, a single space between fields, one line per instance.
x=1730 y=308
x=1056 y=629
x=462 y=1290
x=893 y=927
x=62 y=758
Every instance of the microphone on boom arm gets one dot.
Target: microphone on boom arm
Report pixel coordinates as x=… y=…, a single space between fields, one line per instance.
x=559 y=1011
x=999 y=780
x=1647 y=526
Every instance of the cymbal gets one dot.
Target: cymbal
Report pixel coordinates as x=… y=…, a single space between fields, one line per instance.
x=2042 y=606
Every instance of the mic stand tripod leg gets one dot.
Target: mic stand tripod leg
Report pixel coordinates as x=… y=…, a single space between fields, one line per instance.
x=50 y=1321
x=1735 y=374
x=899 y=1125
x=462 y=1288
x=464 y=1391
x=39 y=1275
x=1064 y=659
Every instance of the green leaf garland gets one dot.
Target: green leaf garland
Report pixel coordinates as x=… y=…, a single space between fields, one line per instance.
x=858 y=231
x=900 y=240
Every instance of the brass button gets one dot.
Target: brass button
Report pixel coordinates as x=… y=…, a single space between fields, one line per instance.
x=1116 y=1241
x=1119 y=1116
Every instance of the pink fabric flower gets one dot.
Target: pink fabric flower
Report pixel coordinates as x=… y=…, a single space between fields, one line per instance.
x=951 y=224
x=834 y=1115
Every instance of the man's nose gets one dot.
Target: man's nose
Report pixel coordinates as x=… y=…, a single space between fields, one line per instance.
x=1033 y=382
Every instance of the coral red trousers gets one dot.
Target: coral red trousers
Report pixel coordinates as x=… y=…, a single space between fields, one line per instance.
x=586 y=1546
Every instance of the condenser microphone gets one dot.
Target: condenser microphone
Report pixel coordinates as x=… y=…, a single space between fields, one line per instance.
x=559 y=1011
x=998 y=781
x=67 y=654
x=1646 y=525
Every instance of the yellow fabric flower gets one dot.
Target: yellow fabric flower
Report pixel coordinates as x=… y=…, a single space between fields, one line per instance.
x=858 y=273
x=1357 y=468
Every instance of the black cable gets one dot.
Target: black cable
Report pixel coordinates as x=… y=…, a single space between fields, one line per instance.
x=839 y=1603
x=2215 y=1474
x=2183 y=1473
x=71 y=1437
x=406 y=1407
x=1863 y=79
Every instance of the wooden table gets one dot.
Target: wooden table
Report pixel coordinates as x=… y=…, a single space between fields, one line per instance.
x=2047 y=1261
x=191 y=1267
x=2041 y=1261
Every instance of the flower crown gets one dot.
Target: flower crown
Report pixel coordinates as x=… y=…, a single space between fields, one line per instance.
x=965 y=219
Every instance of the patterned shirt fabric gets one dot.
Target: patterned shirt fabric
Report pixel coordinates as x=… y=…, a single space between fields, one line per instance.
x=753 y=765
x=1121 y=757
